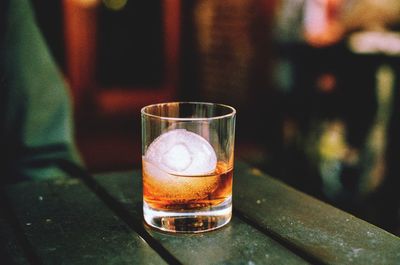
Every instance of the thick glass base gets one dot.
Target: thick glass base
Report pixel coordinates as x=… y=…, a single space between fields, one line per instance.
x=194 y=221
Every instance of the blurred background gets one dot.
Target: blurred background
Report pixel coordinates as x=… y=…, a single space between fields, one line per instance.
x=315 y=84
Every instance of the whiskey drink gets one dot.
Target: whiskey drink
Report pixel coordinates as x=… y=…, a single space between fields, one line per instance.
x=179 y=192
x=187 y=160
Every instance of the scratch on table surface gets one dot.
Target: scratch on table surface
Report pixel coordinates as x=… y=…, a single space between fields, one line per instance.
x=51 y=249
x=354 y=253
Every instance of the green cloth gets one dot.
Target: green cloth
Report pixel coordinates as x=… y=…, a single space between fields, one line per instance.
x=37 y=119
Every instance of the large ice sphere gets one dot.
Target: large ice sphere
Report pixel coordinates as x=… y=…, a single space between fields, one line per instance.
x=181 y=152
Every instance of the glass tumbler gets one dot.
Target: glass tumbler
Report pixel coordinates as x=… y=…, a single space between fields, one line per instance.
x=187 y=165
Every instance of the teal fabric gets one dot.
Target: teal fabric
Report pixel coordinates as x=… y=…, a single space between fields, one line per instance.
x=37 y=123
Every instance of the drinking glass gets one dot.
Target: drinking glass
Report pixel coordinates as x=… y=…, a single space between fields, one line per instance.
x=187 y=159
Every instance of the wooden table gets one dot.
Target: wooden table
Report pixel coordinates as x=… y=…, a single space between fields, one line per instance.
x=98 y=220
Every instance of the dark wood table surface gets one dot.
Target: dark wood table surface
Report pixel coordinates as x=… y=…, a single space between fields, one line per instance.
x=98 y=220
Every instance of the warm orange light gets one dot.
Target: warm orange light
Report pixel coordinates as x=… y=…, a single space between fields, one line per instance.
x=87 y=3
x=326 y=83
x=321 y=22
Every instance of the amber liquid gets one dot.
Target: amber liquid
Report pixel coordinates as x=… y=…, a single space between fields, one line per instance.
x=168 y=192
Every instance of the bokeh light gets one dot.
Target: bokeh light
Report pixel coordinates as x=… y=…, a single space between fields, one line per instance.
x=115 y=4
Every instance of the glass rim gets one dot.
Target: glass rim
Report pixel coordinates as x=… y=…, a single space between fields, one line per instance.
x=230 y=114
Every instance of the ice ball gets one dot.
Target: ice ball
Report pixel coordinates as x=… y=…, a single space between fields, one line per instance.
x=182 y=152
